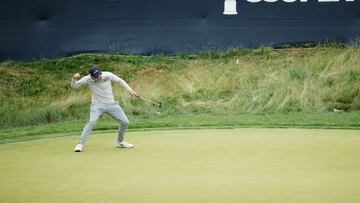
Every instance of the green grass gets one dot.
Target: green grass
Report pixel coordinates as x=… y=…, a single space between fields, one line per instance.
x=227 y=165
x=232 y=101
x=155 y=122
x=294 y=87
x=243 y=81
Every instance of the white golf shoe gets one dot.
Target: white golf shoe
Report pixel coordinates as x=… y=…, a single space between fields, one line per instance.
x=124 y=144
x=78 y=148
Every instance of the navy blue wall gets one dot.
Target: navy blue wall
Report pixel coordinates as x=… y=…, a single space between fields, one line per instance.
x=49 y=28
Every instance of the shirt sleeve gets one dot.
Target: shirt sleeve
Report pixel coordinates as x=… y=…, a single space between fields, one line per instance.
x=120 y=81
x=78 y=83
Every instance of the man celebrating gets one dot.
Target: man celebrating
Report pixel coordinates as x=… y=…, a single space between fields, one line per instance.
x=102 y=101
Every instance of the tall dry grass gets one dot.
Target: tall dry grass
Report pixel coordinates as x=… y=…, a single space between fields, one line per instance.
x=303 y=80
x=262 y=80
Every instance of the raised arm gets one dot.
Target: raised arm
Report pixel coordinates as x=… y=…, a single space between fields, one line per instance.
x=76 y=83
x=121 y=82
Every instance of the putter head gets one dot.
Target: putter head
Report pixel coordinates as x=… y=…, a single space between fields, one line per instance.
x=160 y=105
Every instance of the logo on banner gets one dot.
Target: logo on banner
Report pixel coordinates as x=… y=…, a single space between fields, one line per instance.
x=231 y=9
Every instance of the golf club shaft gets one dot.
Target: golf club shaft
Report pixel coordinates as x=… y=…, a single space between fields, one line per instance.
x=159 y=105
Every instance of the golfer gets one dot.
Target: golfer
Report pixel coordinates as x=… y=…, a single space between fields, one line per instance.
x=102 y=101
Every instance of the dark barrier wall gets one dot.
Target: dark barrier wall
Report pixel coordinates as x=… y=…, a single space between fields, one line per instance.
x=49 y=28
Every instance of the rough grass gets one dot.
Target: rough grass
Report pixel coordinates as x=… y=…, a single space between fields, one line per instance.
x=245 y=81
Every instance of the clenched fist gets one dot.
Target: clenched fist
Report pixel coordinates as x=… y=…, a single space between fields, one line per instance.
x=76 y=76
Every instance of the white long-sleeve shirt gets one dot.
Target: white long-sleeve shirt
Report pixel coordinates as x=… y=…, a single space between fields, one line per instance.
x=101 y=89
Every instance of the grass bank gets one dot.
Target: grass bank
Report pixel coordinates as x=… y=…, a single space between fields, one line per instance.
x=296 y=83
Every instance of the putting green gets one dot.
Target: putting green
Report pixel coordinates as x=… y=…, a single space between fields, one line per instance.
x=228 y=165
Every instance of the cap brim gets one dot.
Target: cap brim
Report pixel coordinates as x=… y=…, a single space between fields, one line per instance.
x=96 y=74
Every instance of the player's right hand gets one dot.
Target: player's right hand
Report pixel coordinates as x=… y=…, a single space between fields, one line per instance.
x=133 y=93
x=76 y=76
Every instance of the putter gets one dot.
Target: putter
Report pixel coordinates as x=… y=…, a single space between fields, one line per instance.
x=154 y=103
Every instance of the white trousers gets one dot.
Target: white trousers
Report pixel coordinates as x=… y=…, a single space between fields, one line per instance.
x=114 y=110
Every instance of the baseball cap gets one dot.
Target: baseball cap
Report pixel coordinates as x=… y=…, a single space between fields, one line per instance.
x=94 y=71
